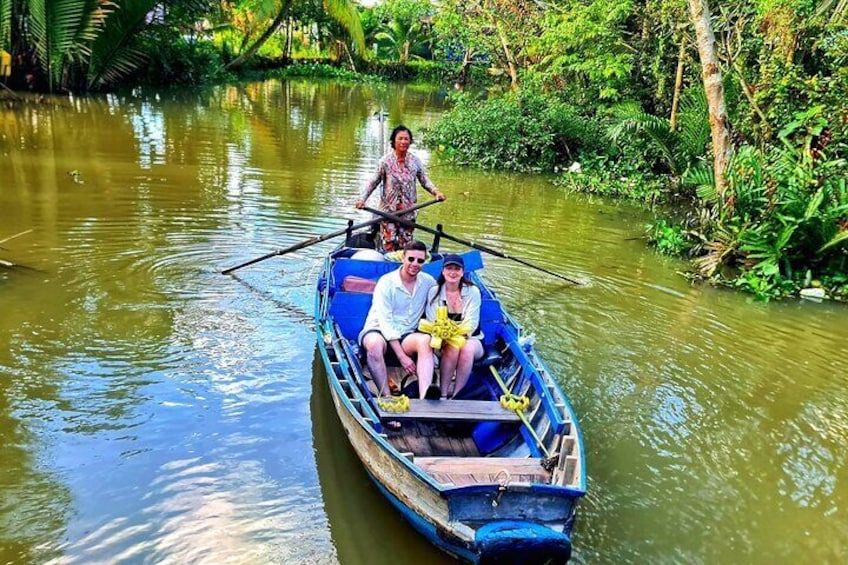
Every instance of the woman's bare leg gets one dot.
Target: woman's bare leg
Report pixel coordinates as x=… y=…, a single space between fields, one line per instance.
x=471 y=351
x=447 y=366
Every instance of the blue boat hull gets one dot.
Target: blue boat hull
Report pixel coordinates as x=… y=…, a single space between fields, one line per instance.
x=504 y=542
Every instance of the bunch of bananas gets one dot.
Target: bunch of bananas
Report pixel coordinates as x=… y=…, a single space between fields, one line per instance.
x=514 y=402
x=393 y=403
x=444 y=330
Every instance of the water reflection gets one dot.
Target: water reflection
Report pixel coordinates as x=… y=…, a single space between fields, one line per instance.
x=365 y=528
x=154 y=410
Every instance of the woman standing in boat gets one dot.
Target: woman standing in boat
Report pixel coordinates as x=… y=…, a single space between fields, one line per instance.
x=397 y=171
x=462 y=299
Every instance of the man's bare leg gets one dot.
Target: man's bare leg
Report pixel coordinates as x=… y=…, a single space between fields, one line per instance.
x=375 y=348
x=420 y=343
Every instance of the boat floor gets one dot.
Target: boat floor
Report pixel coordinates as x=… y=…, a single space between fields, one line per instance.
x=448 y=454
x=429 y=439
x=446 y=451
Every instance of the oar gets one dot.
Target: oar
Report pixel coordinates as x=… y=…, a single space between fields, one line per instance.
x=325 y=237
x=467 y=243
x=520 y=413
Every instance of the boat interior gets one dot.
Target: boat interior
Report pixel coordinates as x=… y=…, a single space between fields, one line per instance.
x=473 y=438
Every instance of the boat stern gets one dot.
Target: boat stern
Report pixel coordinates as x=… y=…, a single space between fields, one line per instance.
x=510 y=542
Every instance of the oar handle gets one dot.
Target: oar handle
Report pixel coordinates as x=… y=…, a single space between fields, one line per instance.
x=319 y=238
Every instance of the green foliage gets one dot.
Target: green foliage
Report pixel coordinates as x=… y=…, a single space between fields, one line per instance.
x=114 y=53
x=321 y=70
x=669 y=239
x=345 y=14
x=584 y=42
x=789 y=210
x=401 y=31
x=6 y=25
x=173 y=61
x=520 y=131
x=678 y=150
x=618 y=176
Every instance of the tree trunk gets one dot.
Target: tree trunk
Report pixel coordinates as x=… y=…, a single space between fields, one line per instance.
x=678 y=83
x=282 y=15
x=510 y=59
x=700 y=13
x=466 y=62
x=349 y=55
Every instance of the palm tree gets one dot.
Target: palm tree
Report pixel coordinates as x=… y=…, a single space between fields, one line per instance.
x=402 y=35
x=342 y=11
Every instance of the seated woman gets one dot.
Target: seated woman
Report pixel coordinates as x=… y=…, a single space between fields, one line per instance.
x=462 y=299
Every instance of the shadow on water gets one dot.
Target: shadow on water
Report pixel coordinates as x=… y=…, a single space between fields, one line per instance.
x=365 y=527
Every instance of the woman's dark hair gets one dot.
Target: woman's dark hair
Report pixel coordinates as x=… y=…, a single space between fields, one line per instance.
x=396 y=131
x=440 y=282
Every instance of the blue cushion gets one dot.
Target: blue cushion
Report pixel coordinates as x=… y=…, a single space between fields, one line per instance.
x=349 y=310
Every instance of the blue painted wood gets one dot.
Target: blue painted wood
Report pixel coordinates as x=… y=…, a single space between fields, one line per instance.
x=427 y=529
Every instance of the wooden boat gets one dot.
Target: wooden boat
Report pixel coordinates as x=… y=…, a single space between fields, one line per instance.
x=482 y=482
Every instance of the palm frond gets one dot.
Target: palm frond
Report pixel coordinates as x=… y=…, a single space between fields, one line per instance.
x=836 y=240
x=694 y=127
x=6 y=25
x=837 y=10
x=112 y=54
x=719 y=250
x=344 y=12
x=702 y=177
x=632 y=121
x=62 y=31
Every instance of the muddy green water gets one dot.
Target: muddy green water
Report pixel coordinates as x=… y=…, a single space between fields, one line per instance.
x=153 y=410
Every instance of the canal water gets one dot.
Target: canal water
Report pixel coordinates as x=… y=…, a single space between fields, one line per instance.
x=153 y=410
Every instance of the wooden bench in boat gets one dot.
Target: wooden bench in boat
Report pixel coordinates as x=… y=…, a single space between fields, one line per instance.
x=464 y=471
x=454 y=411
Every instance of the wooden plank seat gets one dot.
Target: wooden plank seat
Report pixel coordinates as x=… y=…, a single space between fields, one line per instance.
x=464 y=471
x=454 y=411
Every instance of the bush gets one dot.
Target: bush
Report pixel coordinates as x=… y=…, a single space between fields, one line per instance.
x=518 y=131
x=320 y=70
x=786 y=213
x=614 y=175
x=173 y=61
x=427 y=71
x=669 y=239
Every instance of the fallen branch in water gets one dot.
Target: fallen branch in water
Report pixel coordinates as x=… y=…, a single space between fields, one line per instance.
x=12 y=92
x=11 y=237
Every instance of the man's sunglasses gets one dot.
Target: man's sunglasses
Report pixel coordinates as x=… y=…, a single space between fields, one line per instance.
x=416 y=260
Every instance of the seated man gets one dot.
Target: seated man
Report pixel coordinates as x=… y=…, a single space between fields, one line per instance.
x=396 y=308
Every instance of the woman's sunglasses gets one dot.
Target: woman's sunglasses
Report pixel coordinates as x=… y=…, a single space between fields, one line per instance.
x=415 y=260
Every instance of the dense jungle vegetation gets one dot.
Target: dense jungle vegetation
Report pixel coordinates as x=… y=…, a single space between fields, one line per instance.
x=735 y=113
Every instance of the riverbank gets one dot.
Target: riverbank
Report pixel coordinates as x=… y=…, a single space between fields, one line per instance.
x=779 y=230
